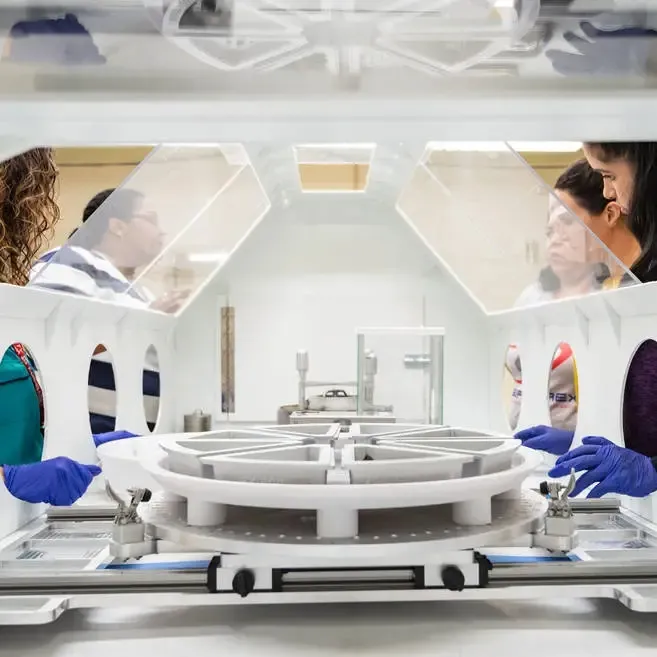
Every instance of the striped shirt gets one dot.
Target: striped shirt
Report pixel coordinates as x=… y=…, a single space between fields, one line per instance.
x=75 y=270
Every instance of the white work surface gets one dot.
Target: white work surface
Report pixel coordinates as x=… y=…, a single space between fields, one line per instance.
x=414 y=630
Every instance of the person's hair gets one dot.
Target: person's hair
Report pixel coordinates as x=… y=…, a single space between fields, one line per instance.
x=116 y=203
x=585 y=185
x=95 y=203
x=28 y=211
x=642 y=213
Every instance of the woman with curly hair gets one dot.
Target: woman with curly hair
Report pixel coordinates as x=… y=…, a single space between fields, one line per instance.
x=28 y=211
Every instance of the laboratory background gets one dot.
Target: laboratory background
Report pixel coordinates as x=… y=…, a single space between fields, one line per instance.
x=328 y=327
x=368 y=266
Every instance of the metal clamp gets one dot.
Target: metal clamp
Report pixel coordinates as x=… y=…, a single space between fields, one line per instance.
x=557 y=494
x=127 y=513
x=559 y=533
x=129 y=538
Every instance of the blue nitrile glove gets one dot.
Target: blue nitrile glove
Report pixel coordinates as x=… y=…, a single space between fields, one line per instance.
x=53 y=41
x=605 y=52
x=615 y=469
x=59 y=481
x=547 y=439
x=111 y=436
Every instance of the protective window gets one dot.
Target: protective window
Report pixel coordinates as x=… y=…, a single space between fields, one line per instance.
x=501 y=231
x=158 y=239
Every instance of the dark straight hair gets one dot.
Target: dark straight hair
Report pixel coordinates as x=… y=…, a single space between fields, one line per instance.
x=642 y=214
x=119 y=203
x=586 y=186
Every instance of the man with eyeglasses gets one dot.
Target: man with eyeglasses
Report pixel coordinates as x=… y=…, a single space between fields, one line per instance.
x=102 y=259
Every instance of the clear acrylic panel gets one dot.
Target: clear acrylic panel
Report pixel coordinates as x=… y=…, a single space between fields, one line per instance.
x=191 y=45
x=502 y=231
x=400 y=370
x=165 y=231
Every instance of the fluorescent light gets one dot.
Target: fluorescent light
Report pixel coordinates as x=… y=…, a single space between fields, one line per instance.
x=207 y=257
x=501 y=147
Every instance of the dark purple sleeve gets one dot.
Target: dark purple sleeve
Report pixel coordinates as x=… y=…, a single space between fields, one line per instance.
x=640 y=401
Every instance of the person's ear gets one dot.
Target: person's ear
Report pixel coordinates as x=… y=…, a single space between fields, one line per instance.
x=116 y=227
x=613 y=214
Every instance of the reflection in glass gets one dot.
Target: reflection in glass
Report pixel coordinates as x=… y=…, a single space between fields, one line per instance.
x=501 y=230
x=512 y=385
x=576 y=264
x=563 y=389
x=252 y=47
x=158 y=239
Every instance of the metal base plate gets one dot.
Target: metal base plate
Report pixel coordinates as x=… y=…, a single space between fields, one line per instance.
x=382 y=533
x=617 y=546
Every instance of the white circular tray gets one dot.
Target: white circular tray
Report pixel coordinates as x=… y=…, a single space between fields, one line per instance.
x=121 y=466
x=185 y=453
x=338 y=486
x=352 y=496
x=325 y=430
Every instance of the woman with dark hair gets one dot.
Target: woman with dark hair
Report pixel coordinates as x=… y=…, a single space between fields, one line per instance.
x=578 y=194
x=28 y=211
x=629 y=172
x=578 y=191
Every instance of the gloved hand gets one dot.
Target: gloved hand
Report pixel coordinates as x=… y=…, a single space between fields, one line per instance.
x=53 y=41
x=111 y=436
x=605 y=52
x=615 y=469
x=547 y=439
x=59 y=481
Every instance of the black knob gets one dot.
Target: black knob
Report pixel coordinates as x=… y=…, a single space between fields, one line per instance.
x=453 y=578
x=147 y=495
x=243 y=582
x=543 y=488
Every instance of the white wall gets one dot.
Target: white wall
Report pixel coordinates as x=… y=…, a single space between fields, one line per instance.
x=307 y=278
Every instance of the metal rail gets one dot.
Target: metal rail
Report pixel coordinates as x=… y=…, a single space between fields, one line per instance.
x=87 y=582
x=588 y=572
x=194 y=581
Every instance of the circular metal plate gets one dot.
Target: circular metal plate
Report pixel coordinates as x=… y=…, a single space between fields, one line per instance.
x=384 y=532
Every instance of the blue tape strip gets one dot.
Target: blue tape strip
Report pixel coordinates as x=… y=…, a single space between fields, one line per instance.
x=153 y=565
x=202 y=565
x=510 y=559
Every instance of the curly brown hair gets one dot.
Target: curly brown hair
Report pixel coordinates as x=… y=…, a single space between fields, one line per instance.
x=28 y=211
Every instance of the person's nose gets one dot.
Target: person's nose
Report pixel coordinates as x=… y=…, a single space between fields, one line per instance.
x=555 y=239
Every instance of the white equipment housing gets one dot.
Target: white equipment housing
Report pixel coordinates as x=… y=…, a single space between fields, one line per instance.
x=306 y=268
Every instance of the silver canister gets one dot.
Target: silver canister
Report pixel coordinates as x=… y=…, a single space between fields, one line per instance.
x=197 y=422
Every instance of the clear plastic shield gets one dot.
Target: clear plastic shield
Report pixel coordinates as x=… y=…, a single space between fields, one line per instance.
x=157 y=239
x=398 y=46
x=503 y=232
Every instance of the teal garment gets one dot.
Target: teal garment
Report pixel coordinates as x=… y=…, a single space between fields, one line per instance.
x=21 y=437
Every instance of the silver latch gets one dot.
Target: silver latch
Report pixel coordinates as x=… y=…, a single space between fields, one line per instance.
x=129 y=538
x=559 y=532
x=127 y=513
x=557 y=494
